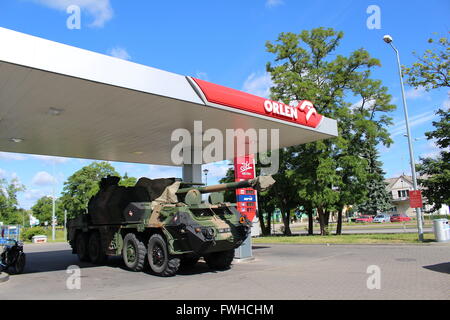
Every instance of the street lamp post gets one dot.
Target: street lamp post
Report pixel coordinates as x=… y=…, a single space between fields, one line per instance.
x=205 y=171
x=53 y=207
x=388 y=39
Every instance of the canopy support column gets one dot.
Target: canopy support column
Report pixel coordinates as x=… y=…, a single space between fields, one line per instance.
x=192 y=156
x=192 y=173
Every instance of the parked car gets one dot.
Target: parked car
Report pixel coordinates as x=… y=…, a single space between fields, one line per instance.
x=364 y=219
x=382 y=218
x=400 y=218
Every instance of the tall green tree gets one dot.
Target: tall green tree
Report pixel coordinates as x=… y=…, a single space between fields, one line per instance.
x=82 y=185
x=436 y=171
x=307 y=67
x=378 y=198
x=43 y=210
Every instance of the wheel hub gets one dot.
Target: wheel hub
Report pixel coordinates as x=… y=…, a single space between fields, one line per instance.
x=158 y=256
x=131 y=253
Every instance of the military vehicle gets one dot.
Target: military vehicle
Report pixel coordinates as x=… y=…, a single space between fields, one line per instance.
x=163 y=223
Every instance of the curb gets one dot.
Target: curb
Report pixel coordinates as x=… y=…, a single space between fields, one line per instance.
x=4 y=277
x=242 y=260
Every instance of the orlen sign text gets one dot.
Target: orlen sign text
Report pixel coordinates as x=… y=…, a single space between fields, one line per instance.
x=290 y=111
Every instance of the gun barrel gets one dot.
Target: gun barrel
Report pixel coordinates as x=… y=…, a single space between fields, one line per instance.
x=260 y=183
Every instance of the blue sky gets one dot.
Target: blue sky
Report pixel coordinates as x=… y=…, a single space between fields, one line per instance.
x=223 y=42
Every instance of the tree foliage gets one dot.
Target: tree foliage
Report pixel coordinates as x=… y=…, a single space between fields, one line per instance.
x=82 y=185
x=436 y=171
x=10 y=213
x=43 y=210
x=127 y=181
x=378 y=198
x=328 y=174
x=431 y=70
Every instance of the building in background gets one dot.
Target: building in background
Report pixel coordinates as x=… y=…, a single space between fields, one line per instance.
x=399 y=188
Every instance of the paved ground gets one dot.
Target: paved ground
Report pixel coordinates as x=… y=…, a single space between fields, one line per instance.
x=278 y=272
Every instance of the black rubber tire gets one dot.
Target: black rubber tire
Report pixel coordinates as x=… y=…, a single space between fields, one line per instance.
x=95 y=249
x=140 y=251
x=19 y=265
x=157 y=250
x=81 y=243
x=220 y=260
x=188 y=262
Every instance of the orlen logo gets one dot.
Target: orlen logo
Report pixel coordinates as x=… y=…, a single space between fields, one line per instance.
x=291 y=111
x=245 y=166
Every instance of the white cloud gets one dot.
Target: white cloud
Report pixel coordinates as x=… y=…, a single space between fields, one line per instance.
x=258 y=84
x=3 y=173
x=120 y=53
x=431 y=150
x=446 y=103
x=367 y=104
x=202 y=75
x=12 y=156
x=163 y=172
x=274 y=3
x=418 y=93
x=217 y=169
x=100 y=10
x=419 y=119
x=51 y=159
x=34 y=194
x=43 y=178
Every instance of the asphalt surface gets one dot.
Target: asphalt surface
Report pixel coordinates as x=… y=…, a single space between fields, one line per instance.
x=278 y=272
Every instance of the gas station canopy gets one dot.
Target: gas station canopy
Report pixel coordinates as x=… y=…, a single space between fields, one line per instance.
x=64 y=101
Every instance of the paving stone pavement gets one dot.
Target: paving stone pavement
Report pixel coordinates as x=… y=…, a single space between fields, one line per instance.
x=282 y=271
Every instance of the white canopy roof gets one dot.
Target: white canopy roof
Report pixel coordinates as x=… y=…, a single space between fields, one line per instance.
x=70 y=102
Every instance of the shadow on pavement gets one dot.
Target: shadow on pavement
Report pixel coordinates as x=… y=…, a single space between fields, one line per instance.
x=48 y=261
x=200 y=268
x=440 y=267
x=259 y=247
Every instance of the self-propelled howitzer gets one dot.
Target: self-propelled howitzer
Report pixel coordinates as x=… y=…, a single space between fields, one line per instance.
x=161 y=221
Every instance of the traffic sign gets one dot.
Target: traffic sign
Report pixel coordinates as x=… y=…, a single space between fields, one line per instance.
x=415 y=199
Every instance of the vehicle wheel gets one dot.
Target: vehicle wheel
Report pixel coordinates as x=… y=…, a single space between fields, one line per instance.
x=188 y=262
x=19 y=265
x=133 y=252
x=159 y=259
x=81 y=243
x=220 y=260
x=96 y=253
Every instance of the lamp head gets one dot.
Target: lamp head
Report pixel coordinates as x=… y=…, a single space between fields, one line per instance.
x=387 y=38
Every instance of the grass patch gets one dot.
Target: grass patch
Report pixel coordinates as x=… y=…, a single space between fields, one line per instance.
x=348 y=239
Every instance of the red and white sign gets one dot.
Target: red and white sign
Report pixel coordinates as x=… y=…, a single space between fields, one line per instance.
x=244 y=169
x=415 y=199
x=300 y=112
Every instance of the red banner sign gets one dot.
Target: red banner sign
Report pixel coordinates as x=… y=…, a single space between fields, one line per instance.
x=244 y=169
x=415 y=199
x=300 y=112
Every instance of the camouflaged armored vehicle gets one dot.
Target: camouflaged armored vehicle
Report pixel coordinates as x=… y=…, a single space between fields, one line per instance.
x=163 y=223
